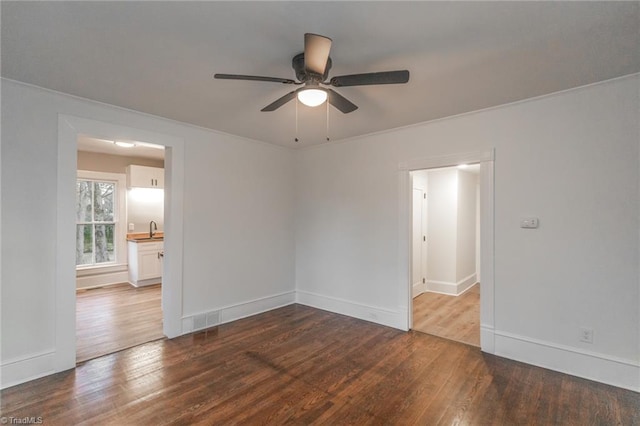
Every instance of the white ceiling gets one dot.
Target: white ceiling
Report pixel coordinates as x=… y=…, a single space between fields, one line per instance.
x=160 y=57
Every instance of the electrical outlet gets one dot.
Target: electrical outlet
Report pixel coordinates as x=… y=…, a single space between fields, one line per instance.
x=529 y=222
x=586 y=334
x=132 y=227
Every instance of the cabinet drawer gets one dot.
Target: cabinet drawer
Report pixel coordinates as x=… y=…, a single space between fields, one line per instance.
x=150 y=246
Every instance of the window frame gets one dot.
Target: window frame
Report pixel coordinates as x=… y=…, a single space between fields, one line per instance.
x=119 y=216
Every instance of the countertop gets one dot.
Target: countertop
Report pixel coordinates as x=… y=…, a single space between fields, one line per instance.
x=143 y=237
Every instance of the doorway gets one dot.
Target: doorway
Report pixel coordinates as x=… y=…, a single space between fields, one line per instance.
x=118 y=302
x=445 y=225
x=484 y=254
x=69 y=129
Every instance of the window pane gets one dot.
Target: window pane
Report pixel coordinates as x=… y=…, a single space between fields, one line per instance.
x=103 y=201
x=83 y=201
x=84 y=244
x=104 y=243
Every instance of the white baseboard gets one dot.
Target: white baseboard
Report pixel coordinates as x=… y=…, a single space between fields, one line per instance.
x=235 y=312
x=31 y=367
x=101 y=280
x=602 y=368
x=418 y=289
x=452 y=289
x=395 y=319
x=465 y=284
x=143 y=283
x=487 y=339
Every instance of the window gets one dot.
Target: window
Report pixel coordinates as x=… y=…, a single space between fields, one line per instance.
x=98 y=219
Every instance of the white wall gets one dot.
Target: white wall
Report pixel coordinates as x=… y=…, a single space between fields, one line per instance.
x=451 y=197
x=478 y=234
x=570 y=159
x=466 y=225
x=238 y=221
x=143 y=206
x=442 y=229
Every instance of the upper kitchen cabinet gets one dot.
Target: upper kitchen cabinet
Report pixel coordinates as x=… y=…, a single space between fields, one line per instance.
x=144 y=177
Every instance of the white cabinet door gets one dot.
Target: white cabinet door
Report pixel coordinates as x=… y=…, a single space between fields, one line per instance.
x=149 y=265
x=145 y=177
x=145 y=263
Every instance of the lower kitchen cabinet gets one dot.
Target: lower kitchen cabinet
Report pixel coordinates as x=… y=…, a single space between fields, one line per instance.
x=145 y=262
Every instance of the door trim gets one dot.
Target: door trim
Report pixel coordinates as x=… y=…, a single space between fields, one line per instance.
x=420 y=283
x=487 y=243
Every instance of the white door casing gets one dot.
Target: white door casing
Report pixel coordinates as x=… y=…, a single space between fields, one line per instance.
x=69 y=128
x=419 y=242
x=486 y=160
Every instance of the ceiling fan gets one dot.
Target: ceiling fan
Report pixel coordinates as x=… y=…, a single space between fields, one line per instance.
x=312 y=69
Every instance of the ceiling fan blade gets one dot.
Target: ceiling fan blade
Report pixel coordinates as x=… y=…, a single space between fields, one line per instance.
x=254 y=78
x=340 y=102
x=385 y=77
x=279 y=102
x=316 y=52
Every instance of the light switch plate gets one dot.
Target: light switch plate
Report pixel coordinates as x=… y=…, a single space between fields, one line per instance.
x=131 y=227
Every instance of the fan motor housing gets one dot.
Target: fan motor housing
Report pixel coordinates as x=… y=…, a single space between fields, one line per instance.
x=301 y=73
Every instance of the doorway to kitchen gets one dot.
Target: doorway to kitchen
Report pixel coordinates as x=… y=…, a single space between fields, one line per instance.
x=69 y=129
x=119 y=245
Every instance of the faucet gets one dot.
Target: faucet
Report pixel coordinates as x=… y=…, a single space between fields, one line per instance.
x=153 y=227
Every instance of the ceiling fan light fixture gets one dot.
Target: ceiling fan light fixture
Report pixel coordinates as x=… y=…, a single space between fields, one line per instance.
x=312 y=97
x=312 y=69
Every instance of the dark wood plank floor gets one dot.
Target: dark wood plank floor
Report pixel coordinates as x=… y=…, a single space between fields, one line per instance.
x=452 y=317
x=116 y=317
x=299 y=365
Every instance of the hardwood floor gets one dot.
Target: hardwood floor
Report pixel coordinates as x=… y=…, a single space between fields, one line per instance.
x=299 y=365
x=117 y=317
x=452 y=317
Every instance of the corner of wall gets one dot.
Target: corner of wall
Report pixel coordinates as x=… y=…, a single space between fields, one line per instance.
x=396 y=319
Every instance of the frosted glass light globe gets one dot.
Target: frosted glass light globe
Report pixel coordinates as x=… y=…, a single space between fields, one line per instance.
x=312 y=97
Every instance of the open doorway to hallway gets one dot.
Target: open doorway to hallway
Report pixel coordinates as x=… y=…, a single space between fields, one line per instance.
x=119 y=245
x=445 y=265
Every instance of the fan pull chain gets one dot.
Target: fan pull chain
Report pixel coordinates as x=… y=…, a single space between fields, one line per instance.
x=327 y=102
x=296 y=138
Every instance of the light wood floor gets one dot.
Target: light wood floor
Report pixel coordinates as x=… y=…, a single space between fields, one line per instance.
x=117 y=317
x=299 y=365
x=452 y=317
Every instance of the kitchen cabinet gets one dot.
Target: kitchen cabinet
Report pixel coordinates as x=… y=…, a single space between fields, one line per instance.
x=145 y=177
x=145 y=262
